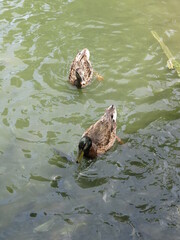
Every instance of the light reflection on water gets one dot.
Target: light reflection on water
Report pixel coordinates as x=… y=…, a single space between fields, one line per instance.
x=131 y=192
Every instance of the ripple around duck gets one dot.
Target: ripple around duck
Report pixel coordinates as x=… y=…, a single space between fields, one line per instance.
x=90 y=177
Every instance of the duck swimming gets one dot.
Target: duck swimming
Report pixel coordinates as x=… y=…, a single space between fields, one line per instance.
x=100 y=136
x=81 y=71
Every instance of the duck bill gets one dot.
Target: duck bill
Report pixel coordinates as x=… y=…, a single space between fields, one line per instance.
x=80 y=156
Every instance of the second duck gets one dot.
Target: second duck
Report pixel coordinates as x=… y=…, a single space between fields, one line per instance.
x=100 y=136
x=81 y=71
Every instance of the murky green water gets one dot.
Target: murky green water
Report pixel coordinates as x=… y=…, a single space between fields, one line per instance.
x=132 y=192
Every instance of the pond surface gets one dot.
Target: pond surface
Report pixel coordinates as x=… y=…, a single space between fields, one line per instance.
x=131 y=192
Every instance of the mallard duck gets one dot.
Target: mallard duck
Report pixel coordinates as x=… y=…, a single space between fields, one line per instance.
x=100 y=136
x=81 y=71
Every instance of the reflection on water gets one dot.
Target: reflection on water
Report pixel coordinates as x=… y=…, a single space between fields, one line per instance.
x=132 y=191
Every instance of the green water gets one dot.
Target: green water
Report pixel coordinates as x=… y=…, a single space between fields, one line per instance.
x=133 y=191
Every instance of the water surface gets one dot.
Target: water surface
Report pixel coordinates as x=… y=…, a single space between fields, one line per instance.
x=132 y=192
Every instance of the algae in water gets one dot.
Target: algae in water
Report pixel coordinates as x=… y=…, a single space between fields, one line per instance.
x=171 y=63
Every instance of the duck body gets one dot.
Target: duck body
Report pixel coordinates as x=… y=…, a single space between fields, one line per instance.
x=100 y=136
x=81 y=71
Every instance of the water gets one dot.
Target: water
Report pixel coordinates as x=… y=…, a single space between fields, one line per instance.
x=132 y=192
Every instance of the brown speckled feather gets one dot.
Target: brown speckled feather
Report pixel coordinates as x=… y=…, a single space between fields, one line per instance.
x=83 y=63
x=103 y=132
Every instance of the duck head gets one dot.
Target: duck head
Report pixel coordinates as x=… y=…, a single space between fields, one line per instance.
x=79 y=78
x=84 y=146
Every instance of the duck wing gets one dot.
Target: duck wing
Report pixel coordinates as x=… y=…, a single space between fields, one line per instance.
x=102 y=133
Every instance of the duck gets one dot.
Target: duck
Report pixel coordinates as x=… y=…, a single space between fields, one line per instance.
x=81 y=71
x=100 y=136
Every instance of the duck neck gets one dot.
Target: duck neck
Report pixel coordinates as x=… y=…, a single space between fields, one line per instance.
x=92 y=153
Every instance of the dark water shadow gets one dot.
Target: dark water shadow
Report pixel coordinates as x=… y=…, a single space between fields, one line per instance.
x=61 y=159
